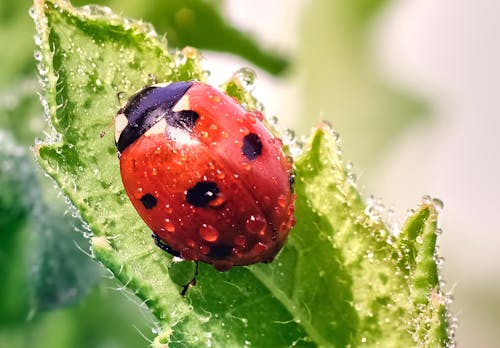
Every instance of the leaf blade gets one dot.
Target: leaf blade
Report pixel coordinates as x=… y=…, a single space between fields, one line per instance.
x=336 y=279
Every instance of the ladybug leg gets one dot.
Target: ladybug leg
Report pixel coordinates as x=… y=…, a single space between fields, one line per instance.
x=192 y=282
x=164 y=246
x=175 y=253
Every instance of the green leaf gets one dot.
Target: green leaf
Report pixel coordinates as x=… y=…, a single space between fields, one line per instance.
x=81 y=325
x=38 y=249
x=16 y=59
x=342 y=278
x=201 y=24
x=339 y=79
x=21 y=112
x=16 y=179
x=60 y=273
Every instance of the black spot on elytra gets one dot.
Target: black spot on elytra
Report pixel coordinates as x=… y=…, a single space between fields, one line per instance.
x=220 y=251
x=185 y=119
x=202 y=193
x=252 y=146
x=148 y=201
x=291 y=181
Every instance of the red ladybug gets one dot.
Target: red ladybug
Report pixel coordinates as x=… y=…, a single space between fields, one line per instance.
x=206 y=176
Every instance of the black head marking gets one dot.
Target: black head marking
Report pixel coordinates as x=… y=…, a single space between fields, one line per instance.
x=291 y=181
x=220 y=251
x=202 y=193
x=148 y=201
x=147 y=107
x=182 y=119
x=252 y=146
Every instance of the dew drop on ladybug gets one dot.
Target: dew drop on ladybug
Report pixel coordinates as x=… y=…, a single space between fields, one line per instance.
x=205 y=175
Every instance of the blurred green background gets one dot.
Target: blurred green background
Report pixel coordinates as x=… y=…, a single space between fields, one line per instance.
x=410 y=86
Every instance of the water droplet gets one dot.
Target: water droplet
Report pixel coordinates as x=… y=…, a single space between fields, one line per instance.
x=410 y=212
x=256 y=224
x=289 y=136
x=273 y=121
x=220 y=174
x=253 y=116
x=244 y=131
x=438 y=204
x=419 y=239
x=138 y=193
x=43 y=69
x=218 y=201
x=38 y=55
x=236 y=252
x=246 y=166
x=282 y=201
x=204 y=249
x=169 y=226
x=276 y=142
x=439 y=260
x=259 y=247
x=247 y=77
x=240 y=241
x=208 y=233
x=38 y=40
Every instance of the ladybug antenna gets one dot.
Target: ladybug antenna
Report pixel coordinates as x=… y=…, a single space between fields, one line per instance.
x=120 y=97
x=192 y=282
x=104 y=131
x=153 y=78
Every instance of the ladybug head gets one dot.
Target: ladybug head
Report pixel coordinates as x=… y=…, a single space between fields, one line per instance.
x=146 y=108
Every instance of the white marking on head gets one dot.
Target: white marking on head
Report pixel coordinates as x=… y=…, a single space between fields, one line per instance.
x=158 y=128
x=182 y=104
x=120 y=123
x=181 y=137
x=161 y=84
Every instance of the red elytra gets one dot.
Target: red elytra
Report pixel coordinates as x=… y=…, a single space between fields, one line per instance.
x=205 y=175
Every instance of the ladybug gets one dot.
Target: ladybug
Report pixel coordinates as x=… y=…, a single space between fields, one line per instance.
x=207 y=177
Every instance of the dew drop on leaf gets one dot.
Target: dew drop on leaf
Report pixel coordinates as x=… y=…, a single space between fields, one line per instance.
x=247 y=77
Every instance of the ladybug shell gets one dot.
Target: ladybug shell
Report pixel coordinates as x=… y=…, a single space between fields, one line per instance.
x=205 y=174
